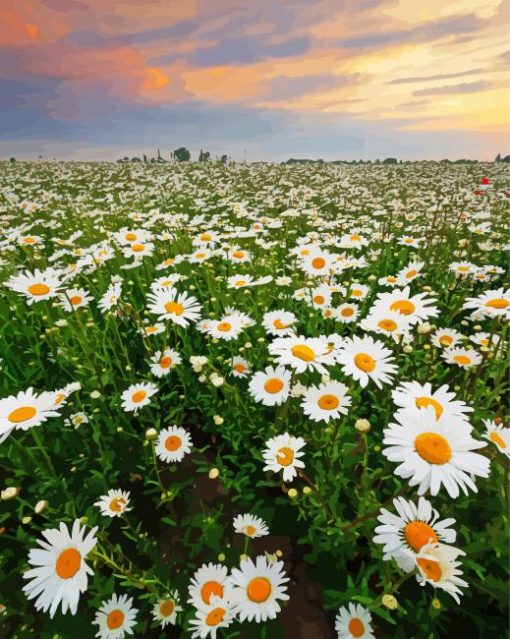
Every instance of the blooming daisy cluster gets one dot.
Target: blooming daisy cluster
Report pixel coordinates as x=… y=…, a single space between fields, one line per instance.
x=239 y=398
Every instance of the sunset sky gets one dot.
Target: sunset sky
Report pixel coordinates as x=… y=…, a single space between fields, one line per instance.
x=98 y=79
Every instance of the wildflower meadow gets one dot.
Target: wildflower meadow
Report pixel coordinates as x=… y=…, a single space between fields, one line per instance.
x=254 y=401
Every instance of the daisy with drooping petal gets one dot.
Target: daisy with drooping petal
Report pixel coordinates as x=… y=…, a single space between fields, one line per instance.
x=250 y=526
x=162 y=362
x=165 y=609
x=300 y=353
x=283 y=453
x=415 y=395
x=403 y=535
x=446 y=337
x=137 y=396
x=257 y=589
x=173 y=443
x=210 y=580
x=211 y=618
x=116 y=617
x=417 y=308
x=168 y=304
x=438 y=566
x=36 y=286
x=24 y=410
x=114 y=504
x=498 y=435
x=365 y=359
x=463 y=357
x=270 y=387
x=111 y=298
x=279 y=323
x=61 y=573
x=240 y=367
x=354 y=622
x=325 y=402
x=494 y=303
x=434 y=453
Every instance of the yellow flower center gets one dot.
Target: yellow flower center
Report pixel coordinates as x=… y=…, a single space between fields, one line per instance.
x=209 y=589
x=303 y=352
x=22 y=414
x=388 y=325
x=405 y=307
x=285 y=456
x=138 y=248
x=411 y=273
x=174 y=308
x=165 y=362
x=115 y=619
x=273 y=385
x=167 y=608
x=238 y=254
x=239 y=368
x=117 y=504
x=173 y=443
x=139 y=396
x=433 y=448
x=356 y=627
x=425 y=402
x=463 y=360
x=319 y=299
x=498 y=303
x=224 y=327
x=347 y=312
x=328 y=402
x=130 y=237
x=259 y=590
x=497 y=439
x=445 y=340
x=38 y=289
x=76 y=299
x=250 y=530
x=318 y=262
x=68 y=563
x=279 y=324
x=215 y=617
x=431 y=568
x=417 y=534
x=240 y=282
x=364 y=362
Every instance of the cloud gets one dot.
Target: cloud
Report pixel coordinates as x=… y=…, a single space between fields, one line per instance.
x=455 y=89
x=247 y=51
x=286 y=88
x=439 y=76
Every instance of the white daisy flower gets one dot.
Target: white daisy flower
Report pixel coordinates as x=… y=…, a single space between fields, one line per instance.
x=438 y=567
x=36 y=286
x=180 y=308
x=327 y=401
x=25 y=410
x=229 y=327
x=172 y=444
x=240 y=367
x=403 y=535
x=300 y=353
x=416 y=395
x=114 y=504
x=250 y=526
x=270 y=387
x=365 y=359
x=462 y=357
x=209 y=581
x=279 y=323
x=498 y=435
x=354 y=622
x=495 y=303
x=162 y=362
x=446 y=337
x=211 y=618
x=165 y=609
x=137 y=396
x=61 y=573
x=257 y=589
x=417 y=308
x=283 y=453
x=116 y=617
x=434 y=452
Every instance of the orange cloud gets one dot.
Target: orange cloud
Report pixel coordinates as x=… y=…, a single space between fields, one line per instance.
x=154 y=80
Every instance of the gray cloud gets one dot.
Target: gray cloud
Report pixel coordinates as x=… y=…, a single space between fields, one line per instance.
x=439 y=76
x=466 y=87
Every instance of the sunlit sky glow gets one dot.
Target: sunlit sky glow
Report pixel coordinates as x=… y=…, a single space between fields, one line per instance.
x=97 y=79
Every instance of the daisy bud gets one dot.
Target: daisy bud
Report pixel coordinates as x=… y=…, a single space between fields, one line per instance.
x=307 y=490
x=372 y=278
x=26 y=520
x=221 y=557
x=214 y=473
x=424 y=328
x=10 y=492
x=151 y=433
x=202 y=378
x=95 y=394
x=363 y=425
x=40 y=506
x=62 y=323
x=279 y=553
x=293 y=493
x=218 y=420
x=408 y=348
x=243 y=557
x=248 y=345
x=217 y=381
x=390 y=602
x=436 y=603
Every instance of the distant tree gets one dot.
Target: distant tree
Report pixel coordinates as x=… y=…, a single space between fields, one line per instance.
x=182 y=154
x=506 y=159
x=390 y=161
x=12 y=159
x=498 y=158
x=224 y=159
x=135 y=159
x=204 y=156
x=144 y=158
